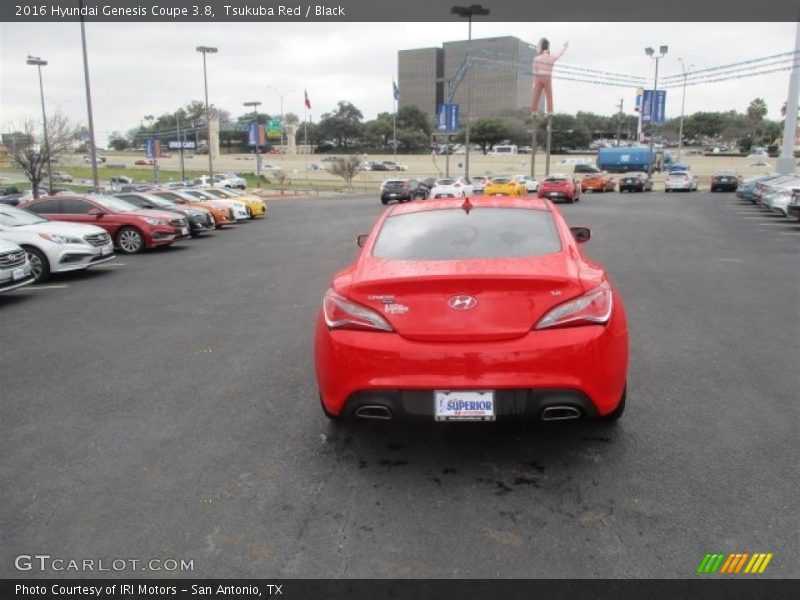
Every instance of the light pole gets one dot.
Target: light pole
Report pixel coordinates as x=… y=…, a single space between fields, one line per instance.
x=685 y=72
x=92 y=145
x=651 y=53
x=150 y=119
x=468 y=11
x=255 y=104
x=208 y=50
x=39 y=63
x=274 y=89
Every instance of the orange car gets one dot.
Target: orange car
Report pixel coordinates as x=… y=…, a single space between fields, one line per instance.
x=222 y=214
x=597 y=182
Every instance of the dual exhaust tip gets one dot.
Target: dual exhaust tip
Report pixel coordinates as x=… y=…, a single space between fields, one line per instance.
x=550 y=413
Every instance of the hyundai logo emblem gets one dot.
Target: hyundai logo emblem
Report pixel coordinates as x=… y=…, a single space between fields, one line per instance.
x=462 y=302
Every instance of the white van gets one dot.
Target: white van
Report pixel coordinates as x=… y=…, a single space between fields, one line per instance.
x=504 y=149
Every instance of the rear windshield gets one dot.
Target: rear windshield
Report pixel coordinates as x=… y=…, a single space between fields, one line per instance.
x=500 y=179
x=453 y=234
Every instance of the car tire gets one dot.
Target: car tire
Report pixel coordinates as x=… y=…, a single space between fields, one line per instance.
x=615 y=414
x=40 y=266
x=384 y=202
x=130 y=240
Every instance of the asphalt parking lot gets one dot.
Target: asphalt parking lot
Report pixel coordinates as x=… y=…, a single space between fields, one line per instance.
x=164 y=406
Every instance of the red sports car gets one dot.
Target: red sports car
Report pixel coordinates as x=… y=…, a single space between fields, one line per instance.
x=560 y=187
x=473 y=309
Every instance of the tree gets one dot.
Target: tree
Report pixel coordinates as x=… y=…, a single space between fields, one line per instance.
x=291 y=118
x=412 y=118
x=118 y=142
x=32 y=154
x=343 y=126
x=346 y=168
x=487 y=132
x=756 y=111
x=378 y=132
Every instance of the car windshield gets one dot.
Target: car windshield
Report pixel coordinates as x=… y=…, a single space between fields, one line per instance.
x=115 y=204
x=444 y=182
x=14 y=217
x=454 y=234
x=198 y=194
x=556 y=179
x=500 y=179
x=152 y=199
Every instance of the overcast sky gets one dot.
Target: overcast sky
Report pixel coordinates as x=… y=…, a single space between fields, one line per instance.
x=150 y=68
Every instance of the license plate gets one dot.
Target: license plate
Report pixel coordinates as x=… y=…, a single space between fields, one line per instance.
x=18 y=273
x=463 y=406
x=553 y=194
x=392 y=195
x=105 y=250
x=184 y=231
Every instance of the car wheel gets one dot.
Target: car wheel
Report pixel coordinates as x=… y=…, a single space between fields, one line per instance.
x=615 y=414
x=130 y=240
x=383 y=201
x=40 y=266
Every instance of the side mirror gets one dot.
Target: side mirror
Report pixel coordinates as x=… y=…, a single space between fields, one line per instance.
x=95 y=212
x=362 y=239
x=581 y=234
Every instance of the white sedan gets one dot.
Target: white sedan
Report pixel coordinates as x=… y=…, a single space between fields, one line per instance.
x=681 y=180
x=55 y=247
x=531 y=185
x=455 y=188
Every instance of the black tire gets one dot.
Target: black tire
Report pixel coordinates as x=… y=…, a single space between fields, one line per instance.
x=127 y=240
x=384 y=202
x=615 y=414
x=40 y=266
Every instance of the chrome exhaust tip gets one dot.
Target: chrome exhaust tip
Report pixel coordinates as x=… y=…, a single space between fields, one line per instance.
x=560 y=413
x=373 y=411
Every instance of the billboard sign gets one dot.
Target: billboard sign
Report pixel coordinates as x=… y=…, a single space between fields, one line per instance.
x=152 y=148
x=182 y=145
x=658 y=107
x=274 y=129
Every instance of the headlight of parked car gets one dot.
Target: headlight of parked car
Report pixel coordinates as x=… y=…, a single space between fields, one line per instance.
x=62 y=239
x=153 y=221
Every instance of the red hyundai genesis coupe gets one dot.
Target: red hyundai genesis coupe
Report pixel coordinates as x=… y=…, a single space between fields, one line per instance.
x=478 y=309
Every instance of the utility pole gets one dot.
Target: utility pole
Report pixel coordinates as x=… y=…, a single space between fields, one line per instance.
x=92 y=147
x=786 y=163
x=650 y=52
x=208 y=50
x=683 y=104
x=619 y=124
x=39 y=63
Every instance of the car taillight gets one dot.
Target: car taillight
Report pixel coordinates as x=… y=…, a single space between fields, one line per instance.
x=456 y=184
x=592 y=308
x=341 y=313
x=405 y=186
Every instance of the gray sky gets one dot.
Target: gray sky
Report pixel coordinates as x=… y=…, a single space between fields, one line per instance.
x=151 y=68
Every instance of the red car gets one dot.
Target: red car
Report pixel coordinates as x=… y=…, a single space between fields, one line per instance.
x=560 y=187
x=131 y=228
x=474 y=309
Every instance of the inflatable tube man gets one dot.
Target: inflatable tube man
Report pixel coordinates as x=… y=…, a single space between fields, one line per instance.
x=542 y=76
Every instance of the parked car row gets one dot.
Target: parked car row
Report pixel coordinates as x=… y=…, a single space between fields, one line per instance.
x=405 y=190
x=777 y=193
x=55 y=234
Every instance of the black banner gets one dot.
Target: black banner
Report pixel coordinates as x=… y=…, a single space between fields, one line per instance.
x=603 y=11
x=704 y=587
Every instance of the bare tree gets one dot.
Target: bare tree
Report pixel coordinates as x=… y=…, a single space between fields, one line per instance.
x=282 y=178
x=346 y=168
x=30 y=152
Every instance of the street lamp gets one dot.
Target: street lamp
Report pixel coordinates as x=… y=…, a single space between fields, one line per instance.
x=150 y=120
x=473 y=10
x=208 y=50
x=651 y=53
x=274 y=89
x=683 y=102
x=255 y=104
x=39 y=63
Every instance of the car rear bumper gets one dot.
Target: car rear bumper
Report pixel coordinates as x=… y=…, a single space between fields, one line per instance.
x=543 y=367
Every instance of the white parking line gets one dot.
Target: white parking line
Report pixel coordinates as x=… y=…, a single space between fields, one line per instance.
x=775 y=222
x=795 y=233
x=111 y=264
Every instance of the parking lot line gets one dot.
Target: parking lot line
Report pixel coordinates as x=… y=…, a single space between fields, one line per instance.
x=789 y=233
x=111 y=264
x=45 y=287
x=775 y=222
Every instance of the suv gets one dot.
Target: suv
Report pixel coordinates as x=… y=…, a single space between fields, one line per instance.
x=586 y=168
x=403 y=190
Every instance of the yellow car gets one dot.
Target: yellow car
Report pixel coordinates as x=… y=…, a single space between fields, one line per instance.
x=502 y=185
x=257 y=206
